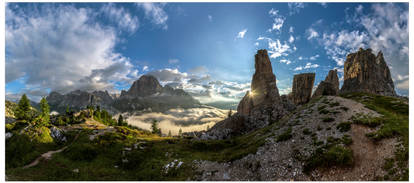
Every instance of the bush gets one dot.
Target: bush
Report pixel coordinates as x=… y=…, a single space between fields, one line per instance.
x=334 y=156
x=306 y=131
x=285 y=135
x=328 y=119
x=344 y=126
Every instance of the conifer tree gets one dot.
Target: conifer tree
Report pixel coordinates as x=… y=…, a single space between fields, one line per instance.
x=23 y=111
x=44 y=111
x=120 y=120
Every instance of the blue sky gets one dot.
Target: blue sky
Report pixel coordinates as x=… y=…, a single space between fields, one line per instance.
x=205 y=48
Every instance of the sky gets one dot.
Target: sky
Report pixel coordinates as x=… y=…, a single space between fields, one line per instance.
x=207 y=49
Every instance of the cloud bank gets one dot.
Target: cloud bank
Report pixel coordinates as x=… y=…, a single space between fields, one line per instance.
x=194 y=119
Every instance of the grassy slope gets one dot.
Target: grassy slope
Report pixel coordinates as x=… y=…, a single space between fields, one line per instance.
x=102 y=159
x=393 y=123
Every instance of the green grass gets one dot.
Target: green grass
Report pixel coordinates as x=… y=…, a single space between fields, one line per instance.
x=104 y=159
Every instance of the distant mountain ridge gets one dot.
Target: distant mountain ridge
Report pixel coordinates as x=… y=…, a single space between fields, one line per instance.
x=146 y=93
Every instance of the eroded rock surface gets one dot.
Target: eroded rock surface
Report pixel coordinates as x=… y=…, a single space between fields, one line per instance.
x=330 y=86
x=365 y=72
x=302 y=88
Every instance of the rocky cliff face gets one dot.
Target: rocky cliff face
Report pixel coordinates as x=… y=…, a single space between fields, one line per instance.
x=77 y=100
x=146 y=85
x=302 y=88
x=145 y=94
x=330 y=86
x=263 y=88
x=365 y=72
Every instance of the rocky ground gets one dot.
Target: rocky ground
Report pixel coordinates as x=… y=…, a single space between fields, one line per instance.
x=310 y=127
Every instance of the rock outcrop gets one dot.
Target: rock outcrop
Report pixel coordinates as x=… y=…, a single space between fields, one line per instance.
x=365 y=72
x=263 y=87
x=78 y=99
x=146 y=85
x=259 y=107
x=302 y=88
x=330 y=86
x=147 y=94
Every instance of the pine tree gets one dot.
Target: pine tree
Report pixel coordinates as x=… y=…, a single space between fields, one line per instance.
x=169 y=133
x=120 y=120
x=23 y=111
x=180 y=132
x=44 y=111
x=154 y=127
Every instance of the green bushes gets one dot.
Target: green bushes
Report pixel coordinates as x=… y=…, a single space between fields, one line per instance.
x=344 y=126
x=333 y=156
x=285 y=135
x=306 y=131
x=328 y=119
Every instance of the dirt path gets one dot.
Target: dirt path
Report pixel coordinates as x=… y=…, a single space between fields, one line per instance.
x=49 y=154
x=369 y=157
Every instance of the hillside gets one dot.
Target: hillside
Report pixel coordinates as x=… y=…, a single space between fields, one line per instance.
x=352 y=137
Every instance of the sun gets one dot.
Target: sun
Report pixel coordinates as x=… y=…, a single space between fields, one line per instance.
x=251 y=94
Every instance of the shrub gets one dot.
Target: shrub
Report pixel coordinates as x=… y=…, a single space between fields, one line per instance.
x=306 y=131
x=285 y=135
x=344 y=126
x=328 y=119
x=333 y=156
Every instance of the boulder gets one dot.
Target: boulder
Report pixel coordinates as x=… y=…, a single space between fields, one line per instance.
x=365 y=72
x=57 y=134
x=302 y=88
x=328 y=87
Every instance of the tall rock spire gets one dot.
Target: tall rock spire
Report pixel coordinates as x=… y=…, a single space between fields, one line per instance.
x=263 y=86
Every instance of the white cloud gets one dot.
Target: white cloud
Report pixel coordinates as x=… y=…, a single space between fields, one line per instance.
x=84 y=58
x=404 y=85
x=307 y=66
x=173 y=61
x=241 y=34
x=338 y=45
x=291 y=29
x=256 y=43
x=314 y=57
x=278 y=20
x=121 y=16
x=312 y=33
x=145 y=68
x=276 y=48
x=155 y=12
x=295 y=7
x=285 y=61
x=210 y=18
x=168 y=75
x=193 y=119
x=291 y=39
